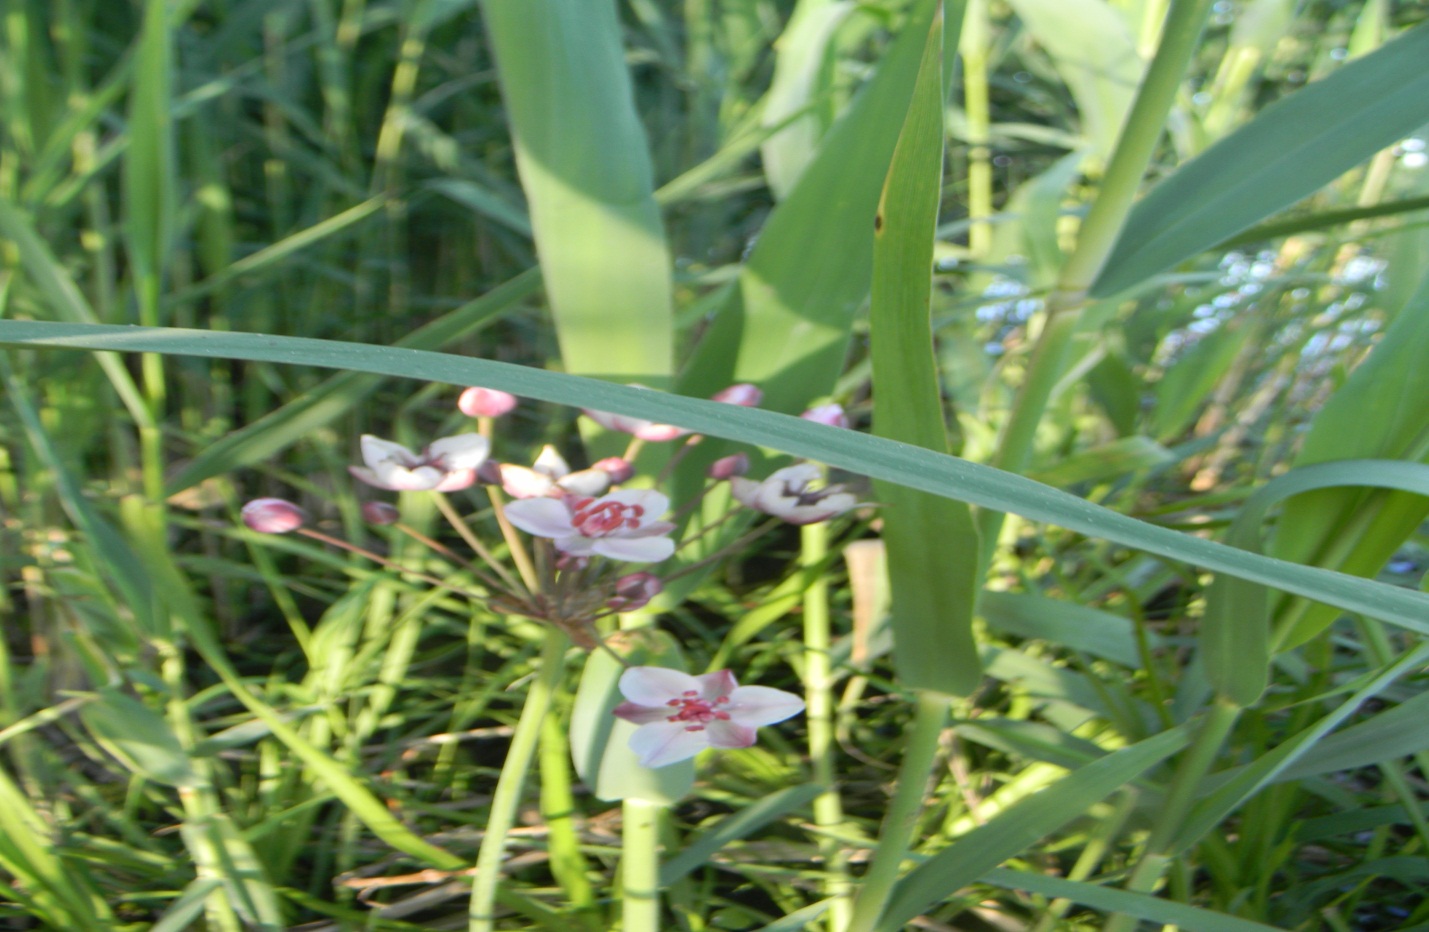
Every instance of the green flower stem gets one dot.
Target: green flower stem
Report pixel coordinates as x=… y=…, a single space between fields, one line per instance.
x=1139 y=137
x=819 y=712
x=507 y=798
x=558 y=806
x=1156 y=856
x=973 y=48
x=640 y=866
x=896 y=838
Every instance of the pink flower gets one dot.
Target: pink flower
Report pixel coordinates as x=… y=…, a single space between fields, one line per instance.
x=744 y=394
x=445 y=465
x=485 y=402
x=636 y=427
x=634 y=591
x=551 y=476
x=620 y=525
x=832 y=415
x=273 y=516
x=680 y=715
x=787 y=495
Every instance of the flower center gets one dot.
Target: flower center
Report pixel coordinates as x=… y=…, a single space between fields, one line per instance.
x=597 y=519
x=698 y=712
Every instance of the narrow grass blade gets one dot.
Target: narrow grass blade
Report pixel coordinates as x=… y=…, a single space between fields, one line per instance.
x=787 y=328
x=1293 y=148
x=139 y=737
x=1142 y=906
x=1021 y=826
x=932 y=542
x=739 y=825
x=943 y=475
x=585 y=168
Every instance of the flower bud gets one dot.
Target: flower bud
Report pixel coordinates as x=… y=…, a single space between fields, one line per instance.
x=634 y=591
x=485 y=402
x=831 y=414
x=380 y=513
x=744 y=394
x=736 y=464
x=273 y=516
x=618 y=469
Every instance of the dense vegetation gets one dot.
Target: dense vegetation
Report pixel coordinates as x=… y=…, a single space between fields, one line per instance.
x=1177 y=254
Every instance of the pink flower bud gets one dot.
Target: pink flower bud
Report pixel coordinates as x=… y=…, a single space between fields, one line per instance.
x=618 y=469
x=832 y=415
x=744 y=394
x=273 y=516
x=736 y=464
x=380 y=513
x=634 y=591
x=485 y=402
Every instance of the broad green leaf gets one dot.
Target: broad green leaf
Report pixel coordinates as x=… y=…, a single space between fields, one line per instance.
x=932 y=542
x=139 y=737
x=798 y=65
x=1092 y=48
x=1358 y=530
x=585 y=168
x=1291 y=149
x=1235 y=635
x=1022 y=825
x=787 y=326
x=741 y=824
x=903 y=464
x=1079 y=627
x=1401 y=731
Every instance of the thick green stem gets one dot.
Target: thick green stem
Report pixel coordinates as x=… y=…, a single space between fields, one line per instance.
x=507 y=798
x=896 y=838
x=640 y=866
x=1156 y=856
x=974 y=47
x=1134 y=150
x=819 y=712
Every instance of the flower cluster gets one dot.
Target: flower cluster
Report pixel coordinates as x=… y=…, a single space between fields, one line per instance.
x=582 y=523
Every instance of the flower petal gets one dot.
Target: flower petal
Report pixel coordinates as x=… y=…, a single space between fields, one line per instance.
x=464 y=451
x=521 y=482
x=456 y=480
x=655 y=686
x=641 y=714
x=632 y=549
x=363 y=474
x=655 y=503
x=375 y=450
x=544 y=517
x=394 y=475
x=730 y=734
x=551 y=463
x=576 y=545
x=662 y=743
x=762 y=705
x=717 y=684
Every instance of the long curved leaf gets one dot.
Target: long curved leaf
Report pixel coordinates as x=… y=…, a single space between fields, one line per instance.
x=911 y=466
x=1292 y=149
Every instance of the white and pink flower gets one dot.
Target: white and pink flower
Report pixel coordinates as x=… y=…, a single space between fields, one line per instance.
x=680 y=715
x=790 y=494
x=551 y=476
x=623 y=525
x=485 y=402
x=445 y=465
x=273 y=516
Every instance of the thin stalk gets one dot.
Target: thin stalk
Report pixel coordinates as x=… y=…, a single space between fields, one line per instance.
x=1134 y=150
x=819 y=713
x=1156 y=855
x=640 y=866
x=896 y=838
x=558 y=807
x=507 y=798
x=514 y=544
x=973 y=48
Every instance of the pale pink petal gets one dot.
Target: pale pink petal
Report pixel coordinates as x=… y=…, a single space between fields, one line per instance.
x=576 y=545
x=641 y=714
x=375 y=450
x=796 y=477
x=544 y=517
x=762 y=705
x=655 y=686
x=662 y=743
x=521 y=482
x=464 y=451
x=587 y=483
x=366 y=475
x=456 y=480
x=730 y=735
x=551 y=463
x=716 y=684
x=633 y=549
x=485 y=402
x=659 y=433
x=745 y=491
x=398 y=477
